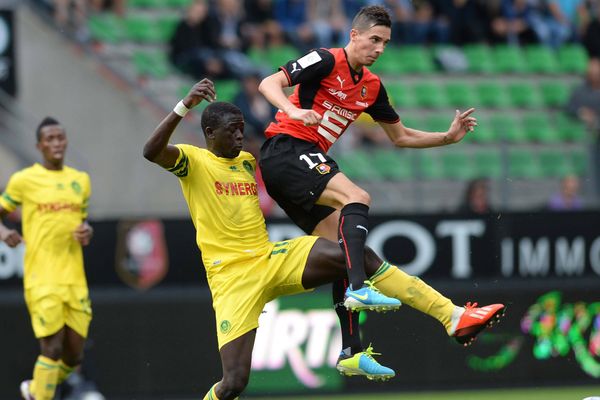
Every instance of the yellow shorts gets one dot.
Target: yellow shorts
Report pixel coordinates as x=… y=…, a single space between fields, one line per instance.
x=52 y=307
x=241 y=290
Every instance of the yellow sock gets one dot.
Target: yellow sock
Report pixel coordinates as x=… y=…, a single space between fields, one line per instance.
x=393 y=282
x=45 y=377
x=63 y=371
x=211 y=395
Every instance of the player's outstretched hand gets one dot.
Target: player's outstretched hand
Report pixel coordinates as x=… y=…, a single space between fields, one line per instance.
x=308 y=117
x=203 y=90
x=83 y=233
x=462 y=123
x=10 y=237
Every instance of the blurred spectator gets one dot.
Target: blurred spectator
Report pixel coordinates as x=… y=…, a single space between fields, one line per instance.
x=568 y=199
x=584 y=102
x=549 y=20
x=512 y=25
x=476 y=199
x=257 y=111
x=589 y=14
x=261 y=27
x=192 y=44
x=116 y=6
x=228 y=19
x=417 y=22
x=328 y=21
x=459 y=11
x=71 y=16
x=292 y=15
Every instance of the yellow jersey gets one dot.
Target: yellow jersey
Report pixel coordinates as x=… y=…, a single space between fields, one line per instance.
x=222 y=198
x=53 y=204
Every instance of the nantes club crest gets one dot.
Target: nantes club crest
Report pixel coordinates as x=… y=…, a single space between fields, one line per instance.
x=142 y=259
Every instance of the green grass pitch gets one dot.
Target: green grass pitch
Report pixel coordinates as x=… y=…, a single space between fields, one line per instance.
x=560 y=393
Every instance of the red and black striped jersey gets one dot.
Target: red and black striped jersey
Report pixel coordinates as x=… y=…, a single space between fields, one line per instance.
x=327 y=84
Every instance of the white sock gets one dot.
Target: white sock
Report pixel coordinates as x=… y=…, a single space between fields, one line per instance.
x=455 y=318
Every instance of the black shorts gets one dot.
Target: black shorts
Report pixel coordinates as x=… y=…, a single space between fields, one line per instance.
x=296 y=173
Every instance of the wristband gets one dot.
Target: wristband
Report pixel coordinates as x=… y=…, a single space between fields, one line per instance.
x=180 y=109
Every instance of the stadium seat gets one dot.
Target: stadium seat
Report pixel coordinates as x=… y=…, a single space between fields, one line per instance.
x=390 y=62
x=554 y=163
x=555 y=93
x=399 y=95
x=492 y=94
x=151 y=63
x=507 y=127
x=146 y=3
x=178 y=3
x=429 y=95
x=541 y=59
x=274 y=57
x=524 y=94
x=460 y=94
x=480 y=59
x=457 y=164
x=106 y=28
x=580 y=161
x=484 y=132
x=488 y=163
x=573 y=58
x=429 y=165
x=393 y=164
x=437 y=122
x=143 y=29
x=523 y=164
x=357 y=164
x=539 y=127
x=509 y=59
x=412 y=59
x=570 y=129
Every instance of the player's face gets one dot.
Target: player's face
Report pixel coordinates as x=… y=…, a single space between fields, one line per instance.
x=53 y=143
x=229 y=138
x=370 y=44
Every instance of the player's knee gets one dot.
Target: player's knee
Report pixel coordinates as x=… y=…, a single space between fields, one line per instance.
x=360 y=196
x=72 y=360
x=52 y=349
x=234 y=384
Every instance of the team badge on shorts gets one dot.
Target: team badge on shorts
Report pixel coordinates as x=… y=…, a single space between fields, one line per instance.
x=225 y=326
x=323 y=168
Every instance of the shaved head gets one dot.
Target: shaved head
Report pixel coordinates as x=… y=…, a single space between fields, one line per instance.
x=371 y=16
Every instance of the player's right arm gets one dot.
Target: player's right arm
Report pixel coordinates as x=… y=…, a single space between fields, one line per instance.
x=9 y=201
x=157 y=148
x=312 y=67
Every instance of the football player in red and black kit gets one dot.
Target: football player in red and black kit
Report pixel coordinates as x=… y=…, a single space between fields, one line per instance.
x=332 y=88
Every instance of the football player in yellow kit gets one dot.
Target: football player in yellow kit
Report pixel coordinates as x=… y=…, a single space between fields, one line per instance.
x=54 y=200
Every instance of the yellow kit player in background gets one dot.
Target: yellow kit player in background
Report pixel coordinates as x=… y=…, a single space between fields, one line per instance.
x=54 y=201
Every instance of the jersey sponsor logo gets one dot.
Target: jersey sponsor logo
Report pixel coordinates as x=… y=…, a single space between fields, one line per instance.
x=341 y=81
x=363 y=92
x=337 y=93
x=142 y=258
x=311 y=58
x=58 y=207
x=340 y=110
x=236 y=188
x=323 y=169
x=362 y=104
x=294 y=68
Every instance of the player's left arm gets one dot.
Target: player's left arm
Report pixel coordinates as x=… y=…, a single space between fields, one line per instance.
x=84 y=232
x=403 y=136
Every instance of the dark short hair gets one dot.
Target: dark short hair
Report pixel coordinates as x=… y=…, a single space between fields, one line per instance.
x=216 y=114
x=370 y=16
x=45 y=122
